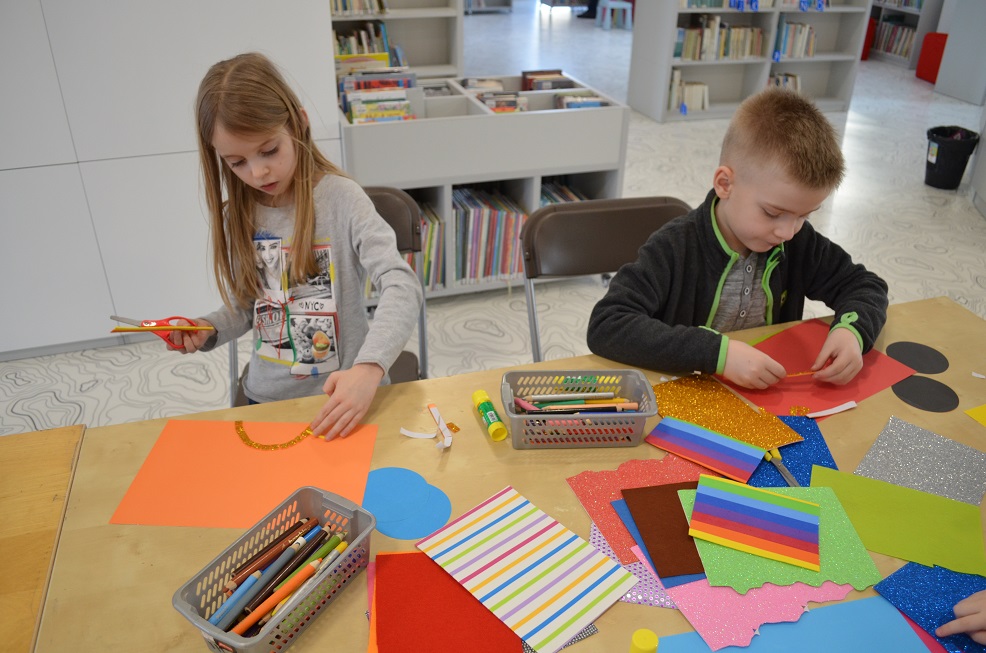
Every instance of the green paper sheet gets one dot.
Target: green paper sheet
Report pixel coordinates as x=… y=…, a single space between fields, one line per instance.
x=909 y=524
x=844 y=559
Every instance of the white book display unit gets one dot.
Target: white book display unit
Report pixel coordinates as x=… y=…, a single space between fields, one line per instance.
x=457 y=141
x=826 y=75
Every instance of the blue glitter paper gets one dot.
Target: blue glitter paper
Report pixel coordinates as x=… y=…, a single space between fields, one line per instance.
x=927 y=595
x=797 y=457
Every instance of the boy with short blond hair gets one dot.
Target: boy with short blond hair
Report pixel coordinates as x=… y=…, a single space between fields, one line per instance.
x=746 y=257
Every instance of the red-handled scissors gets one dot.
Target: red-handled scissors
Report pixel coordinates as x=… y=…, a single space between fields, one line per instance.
x=161 y=328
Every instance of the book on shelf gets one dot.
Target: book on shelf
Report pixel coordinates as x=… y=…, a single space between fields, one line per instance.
x=503 y=102
x=487 y=233
x=579 y=100
x=684 y=96
x=709 y=38
x=741 y=5
x=382 y=78
x=894 y=37
x=794 y=40
x=540 y=80
x=785 y=80
x=378 y=105
x=481 y=84
x=555 y=193
x=432 y=248
x=357 y=7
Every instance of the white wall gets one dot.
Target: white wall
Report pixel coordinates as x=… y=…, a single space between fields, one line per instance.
x=99 y=186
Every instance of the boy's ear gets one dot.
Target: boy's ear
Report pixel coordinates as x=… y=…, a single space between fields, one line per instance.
x=722 y=181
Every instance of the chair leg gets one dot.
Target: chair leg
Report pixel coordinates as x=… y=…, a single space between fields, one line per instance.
x=422 y=322
x=234 y=372
x=532 y=319
x=608 y=18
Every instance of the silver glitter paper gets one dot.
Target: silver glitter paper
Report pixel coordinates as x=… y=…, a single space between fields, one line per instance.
x=648 y=590
x=910 y=456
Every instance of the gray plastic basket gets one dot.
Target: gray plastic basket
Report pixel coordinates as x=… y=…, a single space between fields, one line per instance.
x=577 y=431
x=199 y=598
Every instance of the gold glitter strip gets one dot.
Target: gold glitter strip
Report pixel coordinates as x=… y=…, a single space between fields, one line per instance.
x=240 y=431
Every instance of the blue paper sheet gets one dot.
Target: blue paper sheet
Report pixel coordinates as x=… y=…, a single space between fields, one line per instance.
x=797 y=457
x=404 y=504
x=865 y=625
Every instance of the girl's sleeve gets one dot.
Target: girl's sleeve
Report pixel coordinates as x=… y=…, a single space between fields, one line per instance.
x=230 y=324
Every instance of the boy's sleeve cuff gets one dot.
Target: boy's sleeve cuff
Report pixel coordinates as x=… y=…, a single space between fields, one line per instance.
x=723 y=346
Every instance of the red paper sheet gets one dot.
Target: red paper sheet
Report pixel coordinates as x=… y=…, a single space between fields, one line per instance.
x=201 y=474
x=418 y=606
x=796 y=349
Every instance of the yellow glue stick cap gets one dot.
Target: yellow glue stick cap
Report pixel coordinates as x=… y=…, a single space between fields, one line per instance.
x=643 y=641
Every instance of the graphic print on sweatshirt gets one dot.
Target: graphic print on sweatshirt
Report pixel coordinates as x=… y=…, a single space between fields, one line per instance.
x=295 y=326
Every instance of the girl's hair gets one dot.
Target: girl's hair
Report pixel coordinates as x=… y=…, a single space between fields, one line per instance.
x=779 y=126
x=247 y=95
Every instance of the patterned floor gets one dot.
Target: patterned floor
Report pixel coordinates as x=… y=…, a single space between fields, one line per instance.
x=925 y=242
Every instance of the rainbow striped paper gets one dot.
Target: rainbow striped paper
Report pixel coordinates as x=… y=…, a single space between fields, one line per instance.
x=756 y=521
x=541 y=579
x=720 y=453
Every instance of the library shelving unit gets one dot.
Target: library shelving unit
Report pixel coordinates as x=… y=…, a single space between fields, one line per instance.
x=485 y=6
x=827 y=77
x=918 y=16
x=428 y=31
x=457 y=141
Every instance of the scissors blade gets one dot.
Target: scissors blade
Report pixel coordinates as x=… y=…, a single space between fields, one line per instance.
x=125 y=320
x=785 y=473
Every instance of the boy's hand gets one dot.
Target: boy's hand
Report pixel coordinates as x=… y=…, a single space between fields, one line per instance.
x=971 y=613
x=751 y=368
x=192 y=341
x=350 y=394
x=842 y=353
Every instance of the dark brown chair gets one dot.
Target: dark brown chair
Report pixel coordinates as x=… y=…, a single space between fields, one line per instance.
x=590 y=237
x=404 y=216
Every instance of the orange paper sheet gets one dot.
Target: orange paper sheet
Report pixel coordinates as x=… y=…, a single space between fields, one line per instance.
x=201 y=474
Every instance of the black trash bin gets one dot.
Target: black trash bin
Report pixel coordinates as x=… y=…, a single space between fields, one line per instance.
x=948 y=153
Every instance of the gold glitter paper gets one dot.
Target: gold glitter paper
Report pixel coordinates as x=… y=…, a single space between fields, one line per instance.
x=798 y=411
x=452 y=427
x=240 y=431
x=704 y=401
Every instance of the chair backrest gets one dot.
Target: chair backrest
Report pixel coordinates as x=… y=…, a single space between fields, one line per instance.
x=403 y=215
x=594 y=236
x=590 y=237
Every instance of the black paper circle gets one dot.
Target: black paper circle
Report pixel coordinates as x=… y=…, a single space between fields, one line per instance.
x=926 y=394
x=920 y=358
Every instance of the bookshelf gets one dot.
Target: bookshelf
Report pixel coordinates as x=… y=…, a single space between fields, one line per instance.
x=486 y=6
x=428 y=31
x=901 y=26
x=458 y=142
x=827 y=76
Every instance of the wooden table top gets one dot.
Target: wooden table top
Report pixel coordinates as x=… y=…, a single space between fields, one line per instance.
x=115 y=582
x=37 y=472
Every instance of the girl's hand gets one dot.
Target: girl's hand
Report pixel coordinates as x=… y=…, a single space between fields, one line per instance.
x=350 y=394
x=192 y=341
x=842 y=353
x=751 y=368
x=971 y=619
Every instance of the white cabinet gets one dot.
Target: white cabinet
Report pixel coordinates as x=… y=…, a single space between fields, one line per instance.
x=901 y=27
x=428 y=31
x=826 y=76
x=458 y=141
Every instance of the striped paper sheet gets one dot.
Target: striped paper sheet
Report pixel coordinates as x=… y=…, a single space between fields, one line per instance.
x=720 y=453
x=756 y=521
x=541 y=579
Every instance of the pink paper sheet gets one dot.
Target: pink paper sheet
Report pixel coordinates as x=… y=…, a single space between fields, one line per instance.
x=596 y=490
x=724 y=617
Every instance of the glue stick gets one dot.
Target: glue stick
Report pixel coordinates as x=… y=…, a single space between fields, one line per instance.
x=494 y=426
x=643 y=641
